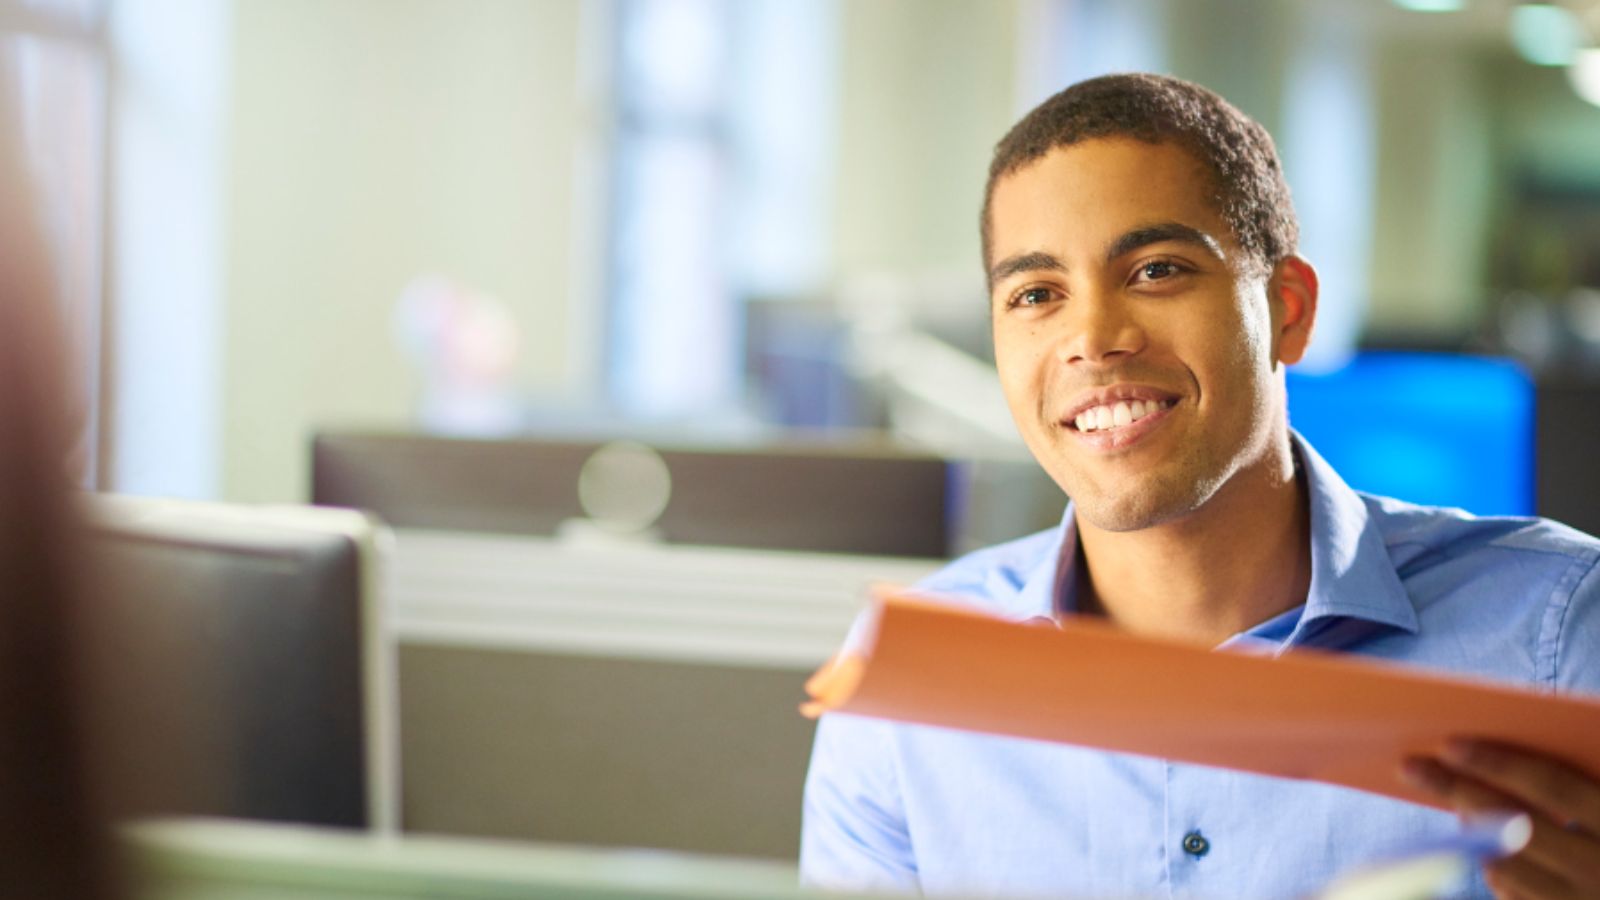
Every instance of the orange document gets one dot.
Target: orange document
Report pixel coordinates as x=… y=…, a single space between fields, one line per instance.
x=1307 y=714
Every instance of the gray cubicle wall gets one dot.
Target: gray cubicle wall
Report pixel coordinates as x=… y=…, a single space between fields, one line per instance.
x=603 y=750
x=632 y=695
x=636 y=695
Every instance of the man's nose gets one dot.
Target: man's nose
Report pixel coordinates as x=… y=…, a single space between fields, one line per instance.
x=1099 y=328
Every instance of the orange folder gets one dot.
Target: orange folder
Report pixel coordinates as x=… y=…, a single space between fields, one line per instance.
x=1307 y=714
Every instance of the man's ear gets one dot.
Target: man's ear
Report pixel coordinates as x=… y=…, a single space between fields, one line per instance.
x=1293 y=295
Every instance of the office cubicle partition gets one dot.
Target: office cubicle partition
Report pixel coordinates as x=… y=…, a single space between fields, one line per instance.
x=623 y=696
x=628 y=692
x=859 y=497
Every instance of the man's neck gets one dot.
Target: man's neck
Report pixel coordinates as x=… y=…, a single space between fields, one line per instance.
x=1241 y=559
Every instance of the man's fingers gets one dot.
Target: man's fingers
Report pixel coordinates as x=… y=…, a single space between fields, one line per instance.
x=1567 y=856
x=1462 y=793
x=1561 y=792
x=1519 y=879
x=1571 y=856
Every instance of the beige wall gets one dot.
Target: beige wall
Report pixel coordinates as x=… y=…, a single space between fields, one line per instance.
x=1435 y=178
x=926 y=89
x=1543 y=126
x=1204 y=44
x=371 y=141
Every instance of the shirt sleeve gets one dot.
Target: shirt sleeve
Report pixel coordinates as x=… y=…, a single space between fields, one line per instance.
x=853 y=832
x=1577 y=663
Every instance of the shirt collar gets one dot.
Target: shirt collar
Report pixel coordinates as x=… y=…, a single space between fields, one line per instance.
x=1352 y=576
x=1050 y=578
x=1351 y=572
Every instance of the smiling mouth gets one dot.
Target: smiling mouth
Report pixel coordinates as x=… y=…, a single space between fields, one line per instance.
x=1109 y=417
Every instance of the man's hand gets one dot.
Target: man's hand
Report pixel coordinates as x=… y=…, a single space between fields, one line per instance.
x=1562 y=860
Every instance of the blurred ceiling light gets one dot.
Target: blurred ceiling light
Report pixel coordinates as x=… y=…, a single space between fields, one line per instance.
x=1585 y=75
x=1431 y=5
x=1545 y=34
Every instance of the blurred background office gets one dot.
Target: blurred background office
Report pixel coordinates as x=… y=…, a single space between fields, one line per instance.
x=731 y=226
x=496 y=216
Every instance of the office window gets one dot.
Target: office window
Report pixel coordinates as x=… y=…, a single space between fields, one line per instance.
x=721 y=167
x=670 y=300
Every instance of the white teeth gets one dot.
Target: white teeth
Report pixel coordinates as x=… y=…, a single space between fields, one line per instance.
x=1115 y=416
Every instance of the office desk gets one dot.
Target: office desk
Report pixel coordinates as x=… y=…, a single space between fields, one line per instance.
x=215 y=859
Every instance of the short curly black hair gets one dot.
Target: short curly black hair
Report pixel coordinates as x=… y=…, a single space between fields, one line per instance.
x=1248 y=189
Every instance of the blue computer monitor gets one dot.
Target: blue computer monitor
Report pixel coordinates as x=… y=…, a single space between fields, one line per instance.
x=1435 y=428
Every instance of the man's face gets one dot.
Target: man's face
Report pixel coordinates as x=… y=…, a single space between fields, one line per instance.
x=1135 y=340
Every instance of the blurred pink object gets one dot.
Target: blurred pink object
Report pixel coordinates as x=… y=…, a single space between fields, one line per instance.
x=464 y=345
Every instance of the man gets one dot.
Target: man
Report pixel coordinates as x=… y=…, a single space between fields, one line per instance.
x=1145 y=299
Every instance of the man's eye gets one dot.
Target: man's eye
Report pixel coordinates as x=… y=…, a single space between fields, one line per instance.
x=1159 y=270
x=1033 y=297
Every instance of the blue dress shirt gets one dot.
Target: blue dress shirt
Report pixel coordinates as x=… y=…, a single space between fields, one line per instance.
x=917 y=808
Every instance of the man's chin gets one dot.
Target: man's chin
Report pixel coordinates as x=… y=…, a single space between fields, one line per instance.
x=1134 y=511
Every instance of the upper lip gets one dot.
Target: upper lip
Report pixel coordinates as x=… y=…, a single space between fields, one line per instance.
x=1116 y=393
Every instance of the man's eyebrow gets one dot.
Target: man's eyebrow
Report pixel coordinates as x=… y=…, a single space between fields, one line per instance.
x=1159 y=233
x=1162 y=233
x=1036 y=261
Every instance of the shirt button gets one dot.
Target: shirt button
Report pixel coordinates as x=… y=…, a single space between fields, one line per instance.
x=1195 y=844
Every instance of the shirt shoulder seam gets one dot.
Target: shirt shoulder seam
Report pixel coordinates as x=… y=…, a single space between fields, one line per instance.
x=887 y=735
x=1548 y=651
